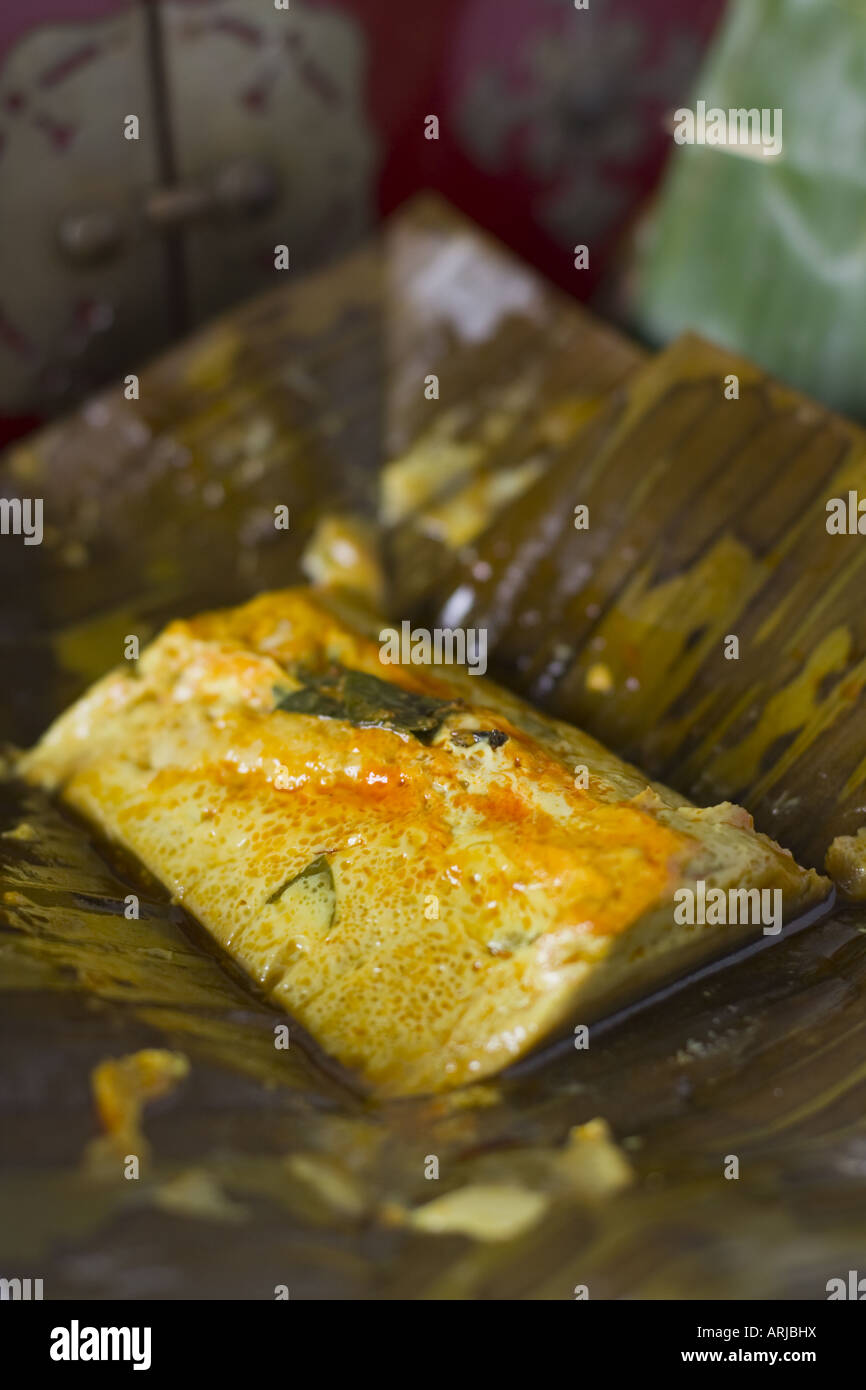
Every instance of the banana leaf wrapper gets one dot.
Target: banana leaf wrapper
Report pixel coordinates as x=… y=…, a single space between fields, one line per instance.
x=707 y=519
x=765 y=254
x=520 y=371
x=157 y=505
x=262 y=1169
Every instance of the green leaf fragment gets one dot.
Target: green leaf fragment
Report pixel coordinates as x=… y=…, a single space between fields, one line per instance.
x=366 y=701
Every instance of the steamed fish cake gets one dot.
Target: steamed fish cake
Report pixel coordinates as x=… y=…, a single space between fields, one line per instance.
x=401 y=856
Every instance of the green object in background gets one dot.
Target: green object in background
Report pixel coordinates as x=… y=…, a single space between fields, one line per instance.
x=768 y=255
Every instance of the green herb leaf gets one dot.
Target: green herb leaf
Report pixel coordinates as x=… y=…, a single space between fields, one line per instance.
x=367 y=701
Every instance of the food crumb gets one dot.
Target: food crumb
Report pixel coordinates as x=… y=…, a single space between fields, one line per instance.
x=488 y=1212
x=592 y=1161
x=122 y=1086
x=845 y=862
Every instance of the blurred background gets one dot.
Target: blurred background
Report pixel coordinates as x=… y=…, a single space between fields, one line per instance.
x=306 y=126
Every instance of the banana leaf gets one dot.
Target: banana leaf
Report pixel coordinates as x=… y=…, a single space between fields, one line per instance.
x=262 y=1167
x=763 y=255
x=707 y=519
